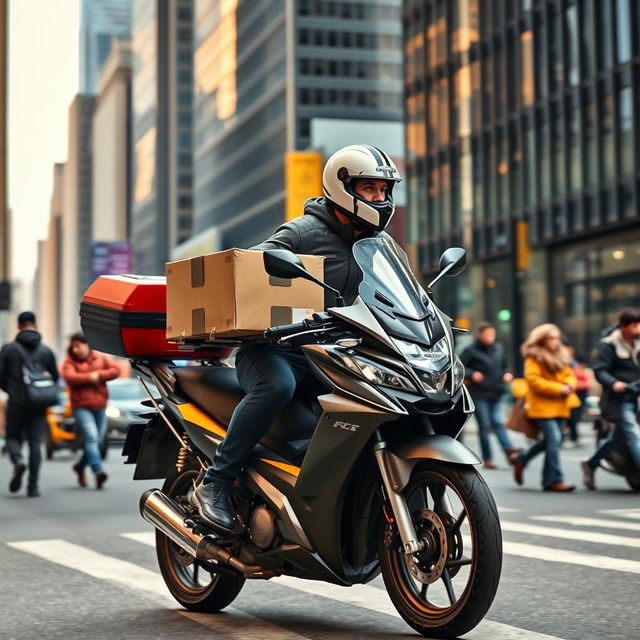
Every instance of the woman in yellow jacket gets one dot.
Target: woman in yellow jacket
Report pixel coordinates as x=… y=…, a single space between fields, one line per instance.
x=549 y=400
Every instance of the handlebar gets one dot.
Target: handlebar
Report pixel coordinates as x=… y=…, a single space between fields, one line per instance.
x=319 y=320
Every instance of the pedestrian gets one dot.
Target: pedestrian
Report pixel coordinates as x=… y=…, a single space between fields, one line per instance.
x=86 y=372
x=584 y=379
x=616 y=364
x=548 y=402
x=486 y=372
x=25 y=415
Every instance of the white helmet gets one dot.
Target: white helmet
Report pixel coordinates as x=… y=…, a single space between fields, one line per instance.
x=359 y=161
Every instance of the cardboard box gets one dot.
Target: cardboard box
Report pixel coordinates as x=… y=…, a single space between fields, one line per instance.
x=229 y=294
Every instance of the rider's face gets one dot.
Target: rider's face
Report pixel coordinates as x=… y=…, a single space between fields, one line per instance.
x=371 y=190
x=630 y=331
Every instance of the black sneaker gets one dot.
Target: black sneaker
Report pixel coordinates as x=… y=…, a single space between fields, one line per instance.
x=213 y=502
x=32 y=491
x=16 y=479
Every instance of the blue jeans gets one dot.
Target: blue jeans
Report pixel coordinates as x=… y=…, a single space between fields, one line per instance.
x=626 y=431
x=92 y=423
x=269 y=376
x=489 y=417
x=551 y=429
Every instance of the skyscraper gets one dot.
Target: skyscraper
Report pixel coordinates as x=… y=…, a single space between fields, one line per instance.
x=162 y=98
x=262 y=72
x=522 y=147
x=100 y=21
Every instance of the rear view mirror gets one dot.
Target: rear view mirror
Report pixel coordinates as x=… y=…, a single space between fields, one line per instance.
x=453 y=261
x=281 y=263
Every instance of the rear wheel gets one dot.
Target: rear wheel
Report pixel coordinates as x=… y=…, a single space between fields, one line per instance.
x=445 y=589
x=190 y=581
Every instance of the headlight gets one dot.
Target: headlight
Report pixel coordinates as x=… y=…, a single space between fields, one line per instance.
x=432 y=365
x=435 y=359
x=113 y=412
x=378 y=374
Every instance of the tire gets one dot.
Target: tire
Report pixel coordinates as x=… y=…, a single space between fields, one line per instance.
x=183 y=578
x=429 y=603
x=634 y=483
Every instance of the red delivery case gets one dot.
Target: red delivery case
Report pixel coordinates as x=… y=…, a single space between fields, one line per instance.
x=126 y=316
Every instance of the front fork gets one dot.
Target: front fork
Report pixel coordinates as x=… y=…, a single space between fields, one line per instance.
x=395 y=474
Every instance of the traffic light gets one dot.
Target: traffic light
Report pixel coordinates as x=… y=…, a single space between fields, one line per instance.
x=5 y=295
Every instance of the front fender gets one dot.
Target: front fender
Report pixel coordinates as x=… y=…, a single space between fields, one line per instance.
x=402 y=457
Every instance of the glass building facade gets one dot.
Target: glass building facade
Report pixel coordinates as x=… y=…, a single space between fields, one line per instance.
x=161 y=212
x=100 y=21
x=262 y=72
x=522 y=147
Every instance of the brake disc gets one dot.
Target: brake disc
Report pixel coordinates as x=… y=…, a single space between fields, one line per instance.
x=428 y=564
x=454 y=542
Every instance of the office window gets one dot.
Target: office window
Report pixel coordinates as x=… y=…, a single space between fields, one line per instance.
x=556 y=75
x=526 y=72
x=623 y=30
x=591 y=160
x=571 y=31
x=625 y=122
x=557 y=143
x=544 y=171
x=586 y=39
x=575 y=157
x=603 y=8
x=515 y=172
x=529 y=166
x=500 y=87
x=607 y=129
x=478 y=186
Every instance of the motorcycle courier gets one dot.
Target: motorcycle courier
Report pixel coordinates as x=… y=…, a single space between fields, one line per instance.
x=361 y=474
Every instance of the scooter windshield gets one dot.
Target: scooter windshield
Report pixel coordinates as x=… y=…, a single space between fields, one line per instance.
x=388 y=282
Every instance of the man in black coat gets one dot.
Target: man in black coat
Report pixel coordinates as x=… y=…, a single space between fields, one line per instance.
x=615 y=366
x=23 y=421
x=486 y=372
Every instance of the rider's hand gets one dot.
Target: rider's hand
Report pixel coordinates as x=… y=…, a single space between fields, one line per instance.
x=477 y=376
x=566 y=389
x=619 y=386
x=94 y=376
x=507 y=377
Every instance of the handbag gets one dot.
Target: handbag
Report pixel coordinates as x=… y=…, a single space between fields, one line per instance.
x=517 y=420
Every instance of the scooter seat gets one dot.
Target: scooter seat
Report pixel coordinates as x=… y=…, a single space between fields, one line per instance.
x=216 y=391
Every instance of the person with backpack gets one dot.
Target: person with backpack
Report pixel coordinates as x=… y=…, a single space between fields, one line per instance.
x=28 y=373
x=86 y=372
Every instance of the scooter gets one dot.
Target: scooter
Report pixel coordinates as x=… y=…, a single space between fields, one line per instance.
x=361 y=474
x=619 y=461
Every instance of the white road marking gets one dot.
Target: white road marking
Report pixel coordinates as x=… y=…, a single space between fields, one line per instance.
x=582 y=536
x=578 y=521
x=535 y=552
x=376 y=600
x=240 y=625
x=508 y=510
x=633 y=514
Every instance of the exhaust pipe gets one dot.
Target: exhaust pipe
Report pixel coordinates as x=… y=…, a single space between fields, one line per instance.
x=168 y=517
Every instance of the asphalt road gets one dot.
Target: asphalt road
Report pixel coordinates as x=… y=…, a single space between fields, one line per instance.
x=76 y=563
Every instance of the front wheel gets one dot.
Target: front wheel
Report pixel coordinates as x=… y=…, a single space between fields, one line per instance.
x=445 y=589
x=190 y=581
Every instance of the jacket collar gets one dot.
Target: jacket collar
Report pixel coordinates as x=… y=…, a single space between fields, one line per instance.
x=621 y=347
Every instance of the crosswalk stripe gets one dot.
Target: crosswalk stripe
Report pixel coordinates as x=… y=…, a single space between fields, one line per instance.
x=240 y=626
x=534 y=552
x=633 y=514
x=582 y=536
x=374 y=599
x=578 y=521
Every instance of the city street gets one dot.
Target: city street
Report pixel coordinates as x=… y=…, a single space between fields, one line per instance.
x=79 y=564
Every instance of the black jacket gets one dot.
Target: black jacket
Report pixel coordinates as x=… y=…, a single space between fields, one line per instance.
x=318 y=232
x=489 y=360
x=11 y=361
x=615 y=362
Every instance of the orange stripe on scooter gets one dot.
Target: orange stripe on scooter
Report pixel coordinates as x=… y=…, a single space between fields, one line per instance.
x=191 y=413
